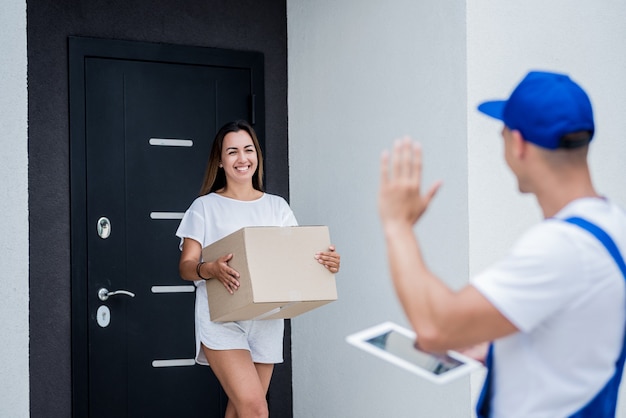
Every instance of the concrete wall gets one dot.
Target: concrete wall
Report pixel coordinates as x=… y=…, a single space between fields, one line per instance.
x=14 y=212
x=362 y=73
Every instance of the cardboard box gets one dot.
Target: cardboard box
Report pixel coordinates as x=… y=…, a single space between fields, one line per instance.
x=279 y=275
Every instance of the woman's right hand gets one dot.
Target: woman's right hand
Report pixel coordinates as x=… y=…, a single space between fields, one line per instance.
x=220 y=270
x=191 y=268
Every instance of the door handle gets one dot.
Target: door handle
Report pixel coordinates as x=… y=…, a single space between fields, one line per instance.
x=103 y=293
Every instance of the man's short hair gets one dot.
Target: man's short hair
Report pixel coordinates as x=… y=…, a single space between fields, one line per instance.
x=574 y=140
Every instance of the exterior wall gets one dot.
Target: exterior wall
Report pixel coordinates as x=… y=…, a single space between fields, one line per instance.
x=504 y=41
x=14 y=386
x=360 y=75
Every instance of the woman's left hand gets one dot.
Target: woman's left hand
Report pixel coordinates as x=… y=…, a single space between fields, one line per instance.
x=329 y=259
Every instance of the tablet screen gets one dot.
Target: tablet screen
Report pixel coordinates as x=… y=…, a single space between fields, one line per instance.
x=403 y=347
x=396 y=345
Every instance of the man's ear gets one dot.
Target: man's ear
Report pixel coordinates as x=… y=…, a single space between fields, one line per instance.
x=519 y=146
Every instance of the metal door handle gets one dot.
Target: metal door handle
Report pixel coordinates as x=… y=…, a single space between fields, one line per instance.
x=103 y=293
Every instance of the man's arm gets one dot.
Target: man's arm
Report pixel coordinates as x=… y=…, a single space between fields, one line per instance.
x=442 y=318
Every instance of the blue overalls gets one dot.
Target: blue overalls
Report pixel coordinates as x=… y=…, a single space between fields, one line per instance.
x=604 y=403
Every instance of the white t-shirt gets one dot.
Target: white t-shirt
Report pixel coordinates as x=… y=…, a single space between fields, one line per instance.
x=211 y=217
x=208 y=219
x=564 y=292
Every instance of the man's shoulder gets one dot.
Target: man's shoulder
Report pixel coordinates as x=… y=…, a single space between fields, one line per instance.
x=601 y=212
x=549 y=236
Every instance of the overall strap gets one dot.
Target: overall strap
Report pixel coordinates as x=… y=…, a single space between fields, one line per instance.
x=483 y=406
x=605 y=402
x=604 y=239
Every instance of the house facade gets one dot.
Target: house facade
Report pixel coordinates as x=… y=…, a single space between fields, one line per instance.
x=342 y=79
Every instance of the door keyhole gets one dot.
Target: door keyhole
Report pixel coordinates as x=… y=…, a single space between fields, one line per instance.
x=103 y=316
x=104 y=227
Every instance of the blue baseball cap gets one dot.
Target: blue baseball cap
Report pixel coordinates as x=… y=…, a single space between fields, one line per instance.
x=544 y=107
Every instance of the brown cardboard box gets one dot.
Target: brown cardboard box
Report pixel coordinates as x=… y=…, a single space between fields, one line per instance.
x=279 y=276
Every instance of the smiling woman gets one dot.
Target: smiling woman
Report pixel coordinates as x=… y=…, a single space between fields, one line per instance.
x=239 y=161
x=238 y=132
x=242 y=354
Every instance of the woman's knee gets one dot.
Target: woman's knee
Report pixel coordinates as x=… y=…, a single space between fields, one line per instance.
x=252 y=407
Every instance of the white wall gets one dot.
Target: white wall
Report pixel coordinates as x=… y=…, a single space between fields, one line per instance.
x=505 y=40
x=14 y=209
x=362 y=73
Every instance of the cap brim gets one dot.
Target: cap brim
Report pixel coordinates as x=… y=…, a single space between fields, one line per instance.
x=494 y=108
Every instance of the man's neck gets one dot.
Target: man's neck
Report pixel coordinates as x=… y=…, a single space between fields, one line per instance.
x=553 y=201
x=557 y=179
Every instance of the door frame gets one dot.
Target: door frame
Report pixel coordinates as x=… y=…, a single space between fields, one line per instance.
x=79 y=49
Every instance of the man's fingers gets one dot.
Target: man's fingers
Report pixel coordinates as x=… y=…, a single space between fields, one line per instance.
x=396 y=160
x=384 y=167
x=432 y=192
x=404 y=161
x=407 y=158
x=416 y=163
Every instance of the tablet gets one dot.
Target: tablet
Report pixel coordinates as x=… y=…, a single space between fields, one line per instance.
x=396 y=344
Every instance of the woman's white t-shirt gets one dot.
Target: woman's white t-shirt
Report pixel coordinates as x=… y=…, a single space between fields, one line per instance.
x=208 y=219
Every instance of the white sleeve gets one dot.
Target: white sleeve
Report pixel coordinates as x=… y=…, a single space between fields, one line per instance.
x=193 y=224
x=535 y=279
x=287 y=216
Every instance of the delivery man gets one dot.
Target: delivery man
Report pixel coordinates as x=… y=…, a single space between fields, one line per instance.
x=555 y=307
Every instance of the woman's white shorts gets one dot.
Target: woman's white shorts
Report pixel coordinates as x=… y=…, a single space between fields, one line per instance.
x=263 y=338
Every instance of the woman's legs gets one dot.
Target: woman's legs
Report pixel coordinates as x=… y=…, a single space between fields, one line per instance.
x=244 y=381
x=265 y=375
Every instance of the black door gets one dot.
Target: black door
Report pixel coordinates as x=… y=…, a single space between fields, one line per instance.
x=142 y=120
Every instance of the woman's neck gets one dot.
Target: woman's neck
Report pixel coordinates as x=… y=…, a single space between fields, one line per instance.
x=245 y=193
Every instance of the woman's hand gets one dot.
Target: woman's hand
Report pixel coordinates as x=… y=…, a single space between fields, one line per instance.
x=329 y=259
x=191 y=268
x=220 y=270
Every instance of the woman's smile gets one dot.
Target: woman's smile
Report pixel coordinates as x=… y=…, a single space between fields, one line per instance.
x=239 y=157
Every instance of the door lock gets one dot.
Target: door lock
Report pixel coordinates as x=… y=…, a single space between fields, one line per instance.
x=104 y=227
x=103 y=293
